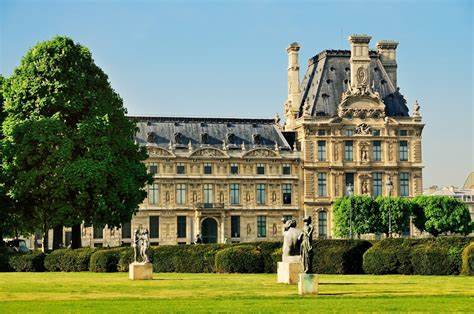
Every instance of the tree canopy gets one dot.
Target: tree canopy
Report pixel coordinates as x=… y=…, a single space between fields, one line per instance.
x=364 y=216
x=69 y=152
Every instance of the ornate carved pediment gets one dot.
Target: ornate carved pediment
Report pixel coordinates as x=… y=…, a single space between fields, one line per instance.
x=261 y=153
x=363 y=129
x=361 y=102
x=208 y=153
x=159 y=152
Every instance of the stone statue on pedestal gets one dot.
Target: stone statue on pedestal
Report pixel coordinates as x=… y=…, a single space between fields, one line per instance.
x=141 y=243
x=291 y=239
x=306 y=247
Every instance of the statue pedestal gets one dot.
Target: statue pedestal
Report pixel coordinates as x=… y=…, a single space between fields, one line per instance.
x=140 y=271
x=288 y=270
x=308 y=284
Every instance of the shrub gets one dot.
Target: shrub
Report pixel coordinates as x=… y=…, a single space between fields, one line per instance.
x=5 y=254
x=69 y=260
x=27 y=262
x=126 y=257
x=239 y=259
x=468 y=260
x=433 y=256
x=267 y=249
x=339 y=256
x=105 y=261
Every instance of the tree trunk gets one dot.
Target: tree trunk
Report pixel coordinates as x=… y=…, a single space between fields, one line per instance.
x=45 y=240
x=57 y=237
x=76 y=241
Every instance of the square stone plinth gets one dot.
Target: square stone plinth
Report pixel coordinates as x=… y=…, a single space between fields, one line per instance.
x=140 y=271
x=287 y=272
x=308 y=284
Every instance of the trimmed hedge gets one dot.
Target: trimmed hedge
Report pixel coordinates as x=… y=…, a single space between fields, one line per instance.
x=240 y=259
x=468 y=260
x=105 y=261
x=432 y=256
x=5 y=254
x=27 y=262
x=69 y=260
x=339 y=256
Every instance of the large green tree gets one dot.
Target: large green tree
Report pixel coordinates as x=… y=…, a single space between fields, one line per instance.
x=394 y=214
x=442 y=215
x=69 y=155
x=358 y=211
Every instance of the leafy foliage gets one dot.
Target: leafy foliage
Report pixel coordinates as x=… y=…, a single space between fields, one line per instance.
x=27 y=262
x=105 y=261
x=468 y=260
x=442 y=215
x=239 y=259
x=361 y=210
x=69 y=154
x=68 y=260
x=394 y=211
x=339 y=256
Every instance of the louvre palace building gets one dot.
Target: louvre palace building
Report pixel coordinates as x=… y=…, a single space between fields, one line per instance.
x=232 y=180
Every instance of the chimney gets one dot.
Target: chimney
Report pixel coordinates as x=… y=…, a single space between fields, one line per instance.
x=387 y=50
x=360 y=60
x=294 y=92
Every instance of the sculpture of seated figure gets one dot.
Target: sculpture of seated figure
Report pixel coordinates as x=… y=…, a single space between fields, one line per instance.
x=291 y=239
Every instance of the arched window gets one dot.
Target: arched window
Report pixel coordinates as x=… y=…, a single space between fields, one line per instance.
x=322 y=224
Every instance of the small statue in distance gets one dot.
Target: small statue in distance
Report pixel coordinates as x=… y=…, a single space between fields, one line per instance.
x=306 y=247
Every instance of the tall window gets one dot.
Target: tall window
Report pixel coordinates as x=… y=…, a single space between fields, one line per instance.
x=377 y=150
x=322 y=224
x=286 y=169
x=235 y=226
x=260 y=169
x=234 y=169
x=260 y=194
x=126 y=230
x=375 y=132
x=181 y=194
x=98 y=232
x=261 y=226
x=234 y=194
x=181 y=226
x=180 y=168
x=153 y=194
x=154 y=226
x=208 y=193
x=403 y=149
x=322 y=184
x=349 y=180
x=404 y=184
x=349 y=132
x=403 y=132
x=322 y=150
x=207 y=168
x=153 y=168
x=348 y=151
x=377 y=184
x=286 y=193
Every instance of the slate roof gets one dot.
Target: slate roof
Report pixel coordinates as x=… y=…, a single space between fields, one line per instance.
x=160 y=131
x=328 y=75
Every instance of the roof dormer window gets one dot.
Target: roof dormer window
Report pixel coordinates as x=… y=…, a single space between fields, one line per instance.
x=204 y=138
x=177 y=137
x=257 y=139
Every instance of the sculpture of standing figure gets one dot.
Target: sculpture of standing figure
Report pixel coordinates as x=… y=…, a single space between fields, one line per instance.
x=306 y=247
x=145 y=244
x=136 y=244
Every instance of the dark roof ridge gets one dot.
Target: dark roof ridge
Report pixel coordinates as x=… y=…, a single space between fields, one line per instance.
x=201 y=119
x=337 y=53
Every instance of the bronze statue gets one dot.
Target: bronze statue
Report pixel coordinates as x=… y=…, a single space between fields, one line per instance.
x=306 y=247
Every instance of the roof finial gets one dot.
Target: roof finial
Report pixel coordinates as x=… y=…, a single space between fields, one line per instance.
x=277 y=148
x=243 y=146
x=294 y=146
x=416 y=109
x=190 y=145
x=170 y=146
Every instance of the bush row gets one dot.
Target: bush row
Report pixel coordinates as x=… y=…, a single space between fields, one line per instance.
x=432 y=256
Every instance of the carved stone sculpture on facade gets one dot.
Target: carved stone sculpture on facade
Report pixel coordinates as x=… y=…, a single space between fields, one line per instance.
x=362 y=129
x=416 y=109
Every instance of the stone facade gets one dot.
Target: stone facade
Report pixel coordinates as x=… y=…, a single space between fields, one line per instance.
x=346 y=124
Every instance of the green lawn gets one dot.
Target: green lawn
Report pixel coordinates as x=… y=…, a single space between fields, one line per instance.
x=191 y=293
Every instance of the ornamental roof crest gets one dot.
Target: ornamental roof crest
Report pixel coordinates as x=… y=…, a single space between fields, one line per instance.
x=361 y=102
x=159 y=152
x=261 y=153
x=209 y=152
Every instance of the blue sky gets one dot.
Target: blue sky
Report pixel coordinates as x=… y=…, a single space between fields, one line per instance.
x=227 y=58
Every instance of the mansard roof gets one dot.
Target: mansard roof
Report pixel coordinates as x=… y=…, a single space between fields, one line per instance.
x=209 y=132
x=328 y=76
